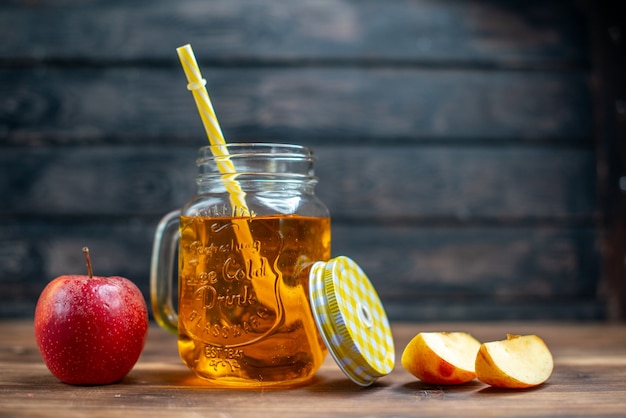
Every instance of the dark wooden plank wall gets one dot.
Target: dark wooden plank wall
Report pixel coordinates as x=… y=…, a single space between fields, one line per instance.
x=609 y=88
x=455 y=140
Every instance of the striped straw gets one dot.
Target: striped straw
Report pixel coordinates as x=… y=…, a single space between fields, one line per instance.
x=264 y=294
x=212 y=127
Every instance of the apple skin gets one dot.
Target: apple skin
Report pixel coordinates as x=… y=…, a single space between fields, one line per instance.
x=519 y=362
x=90 y=330
x=441 y=358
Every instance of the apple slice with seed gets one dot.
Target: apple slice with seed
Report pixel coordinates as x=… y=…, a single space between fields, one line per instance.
x=441 y=358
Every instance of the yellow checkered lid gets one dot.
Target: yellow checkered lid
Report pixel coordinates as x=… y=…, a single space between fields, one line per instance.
x=352 y=320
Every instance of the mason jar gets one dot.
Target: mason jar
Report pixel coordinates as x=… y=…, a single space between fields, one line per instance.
x=246 y=244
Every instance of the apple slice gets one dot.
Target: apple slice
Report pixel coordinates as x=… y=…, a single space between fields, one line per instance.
x=441 y=358
x=517 y=362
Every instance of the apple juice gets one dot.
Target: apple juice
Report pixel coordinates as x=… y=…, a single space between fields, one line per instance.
x=244 y=311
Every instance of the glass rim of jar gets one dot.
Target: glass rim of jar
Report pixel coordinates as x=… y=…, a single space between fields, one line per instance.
x=245 y=150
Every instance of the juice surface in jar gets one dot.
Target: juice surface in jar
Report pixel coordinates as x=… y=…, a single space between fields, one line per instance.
x=244 y=310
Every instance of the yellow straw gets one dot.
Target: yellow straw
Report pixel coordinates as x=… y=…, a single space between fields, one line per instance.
x=265 y=294
x=212 y=127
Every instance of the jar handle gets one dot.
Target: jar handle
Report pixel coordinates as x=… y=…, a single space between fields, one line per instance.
x=162 y=271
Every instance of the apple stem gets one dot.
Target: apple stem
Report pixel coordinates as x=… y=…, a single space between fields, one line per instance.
x=89 y=268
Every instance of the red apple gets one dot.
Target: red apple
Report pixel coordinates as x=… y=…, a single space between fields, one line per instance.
x=90 y=330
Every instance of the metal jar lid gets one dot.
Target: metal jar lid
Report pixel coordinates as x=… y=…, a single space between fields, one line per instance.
x=351 y=320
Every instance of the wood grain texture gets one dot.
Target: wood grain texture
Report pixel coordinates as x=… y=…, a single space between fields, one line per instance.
x=588 y=380
x=610 y=130
x=426 y=183
x=508 y=32
x=150 y=106
x=455 y=139
x=419 y=271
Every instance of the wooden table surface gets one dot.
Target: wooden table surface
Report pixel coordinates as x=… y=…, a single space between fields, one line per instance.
x=589 y=379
